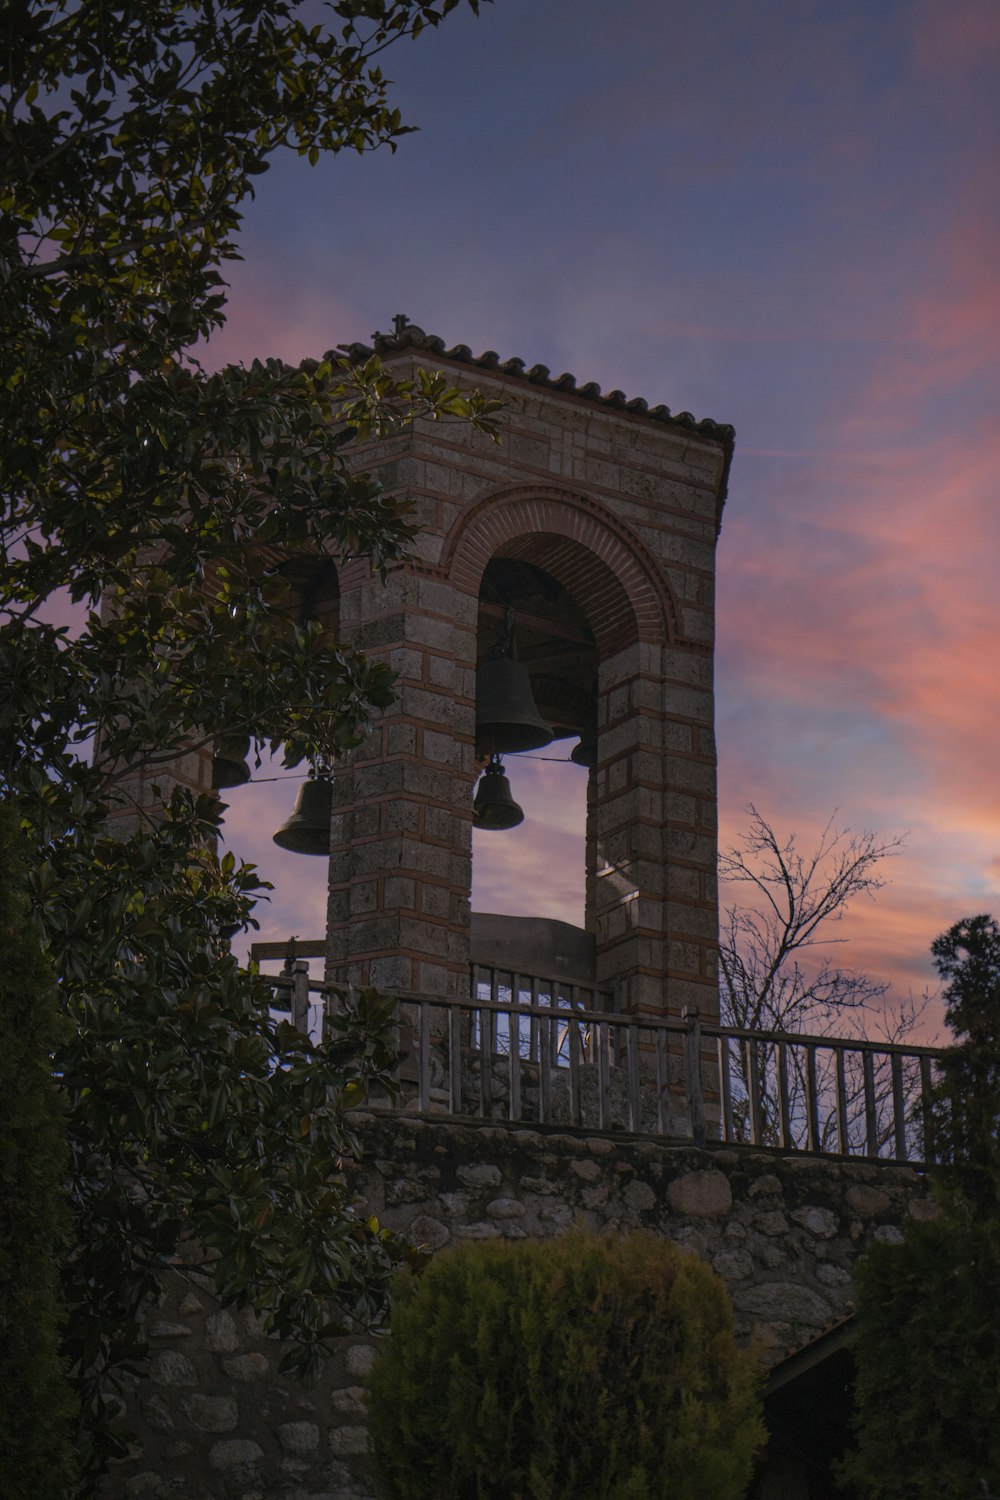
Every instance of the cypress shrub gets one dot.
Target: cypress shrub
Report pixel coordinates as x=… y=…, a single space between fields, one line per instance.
x=927 y=1394
x=35 y=1401
x=585 y=1366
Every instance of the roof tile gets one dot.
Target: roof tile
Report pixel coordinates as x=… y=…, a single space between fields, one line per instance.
x=410 y=336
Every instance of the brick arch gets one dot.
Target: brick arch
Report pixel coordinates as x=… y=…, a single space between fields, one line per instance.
x=620 y=587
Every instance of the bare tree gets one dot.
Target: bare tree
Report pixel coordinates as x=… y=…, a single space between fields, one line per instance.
x=772 y=977
x=775 y=977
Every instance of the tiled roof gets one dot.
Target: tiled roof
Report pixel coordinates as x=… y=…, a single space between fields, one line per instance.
x=410 y=336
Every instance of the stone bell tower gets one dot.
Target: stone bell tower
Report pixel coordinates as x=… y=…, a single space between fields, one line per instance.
x=595 y=522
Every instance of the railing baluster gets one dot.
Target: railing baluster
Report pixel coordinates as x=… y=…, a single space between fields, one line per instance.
x=726 y=1080
x=926 y=1111
x=662 y=1084
x=632 y=1055
x=692 y=1076
x=812 y=1100
x=300 y=996
x=424 y=1058
x=603 y=1043
x=573 y=1038
x=455 y=1058
x=493 y=984
x=898 y=1109
x=753 y=1088
x=843 y=1141
x=533 y=1022
x=487 y=1020
x=871 y=1122
x=544 y=1071
x=514 y=1105
x=784 y=1113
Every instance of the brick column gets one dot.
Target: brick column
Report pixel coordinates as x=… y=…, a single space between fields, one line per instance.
x=629 y=878
x=653 y=840
x=400 y=868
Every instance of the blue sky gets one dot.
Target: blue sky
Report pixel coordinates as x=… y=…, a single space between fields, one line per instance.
x=777 y=213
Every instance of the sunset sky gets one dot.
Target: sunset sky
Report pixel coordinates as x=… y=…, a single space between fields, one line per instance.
x=783 y=214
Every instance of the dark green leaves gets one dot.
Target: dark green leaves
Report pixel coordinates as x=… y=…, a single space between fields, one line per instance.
x=159 y=508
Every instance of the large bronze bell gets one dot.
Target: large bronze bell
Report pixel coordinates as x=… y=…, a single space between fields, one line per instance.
x=229 y=765
x=507 y=717
x=307 y=829
x=494 y=806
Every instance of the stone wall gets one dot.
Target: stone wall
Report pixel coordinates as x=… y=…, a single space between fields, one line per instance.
x=215 y=1418
x=621 y=507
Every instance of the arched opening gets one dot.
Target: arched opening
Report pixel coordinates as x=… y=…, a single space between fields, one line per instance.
x=535 y=891
x=311 y=593
x=602 y=620
x=538 y=869
x=265 y=798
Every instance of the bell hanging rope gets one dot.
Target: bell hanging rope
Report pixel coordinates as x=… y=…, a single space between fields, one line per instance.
x=307 y=828
x=494 y=806
x=507 y=717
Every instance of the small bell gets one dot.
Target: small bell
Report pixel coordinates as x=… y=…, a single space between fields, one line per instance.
x=229 y=766
x=494 y=806
x=307 y=829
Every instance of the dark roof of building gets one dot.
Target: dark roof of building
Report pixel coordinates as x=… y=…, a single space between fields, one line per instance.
x=409 y=336
x=835 y=1338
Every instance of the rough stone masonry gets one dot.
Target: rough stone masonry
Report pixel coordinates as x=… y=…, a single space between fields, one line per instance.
x=215 y=1420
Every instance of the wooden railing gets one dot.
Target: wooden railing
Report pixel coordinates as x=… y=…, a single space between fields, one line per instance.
x=531 y=1052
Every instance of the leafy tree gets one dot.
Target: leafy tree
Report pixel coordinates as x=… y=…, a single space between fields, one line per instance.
x=928 y=1350
x=583 y=1365
x=35 y=1401
x=967 y=1113
x=928 y=1354
x=157 y=504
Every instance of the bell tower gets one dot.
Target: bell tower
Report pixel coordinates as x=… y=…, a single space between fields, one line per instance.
x=571 y=570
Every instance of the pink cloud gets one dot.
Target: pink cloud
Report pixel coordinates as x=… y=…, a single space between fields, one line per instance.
x=948 y=41
x=267 y=317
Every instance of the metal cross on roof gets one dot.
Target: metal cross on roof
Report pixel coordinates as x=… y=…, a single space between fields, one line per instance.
x=399 y=322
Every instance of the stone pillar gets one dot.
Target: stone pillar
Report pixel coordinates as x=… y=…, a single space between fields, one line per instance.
x=400 y=867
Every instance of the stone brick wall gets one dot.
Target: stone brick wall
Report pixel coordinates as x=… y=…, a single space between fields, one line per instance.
x=215 y=1419
x=623 y=510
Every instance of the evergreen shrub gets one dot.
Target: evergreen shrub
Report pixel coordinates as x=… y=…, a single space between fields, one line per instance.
x=927 y=1394
x=927 y=1398
x=579 y=1368
x=35 y=1400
